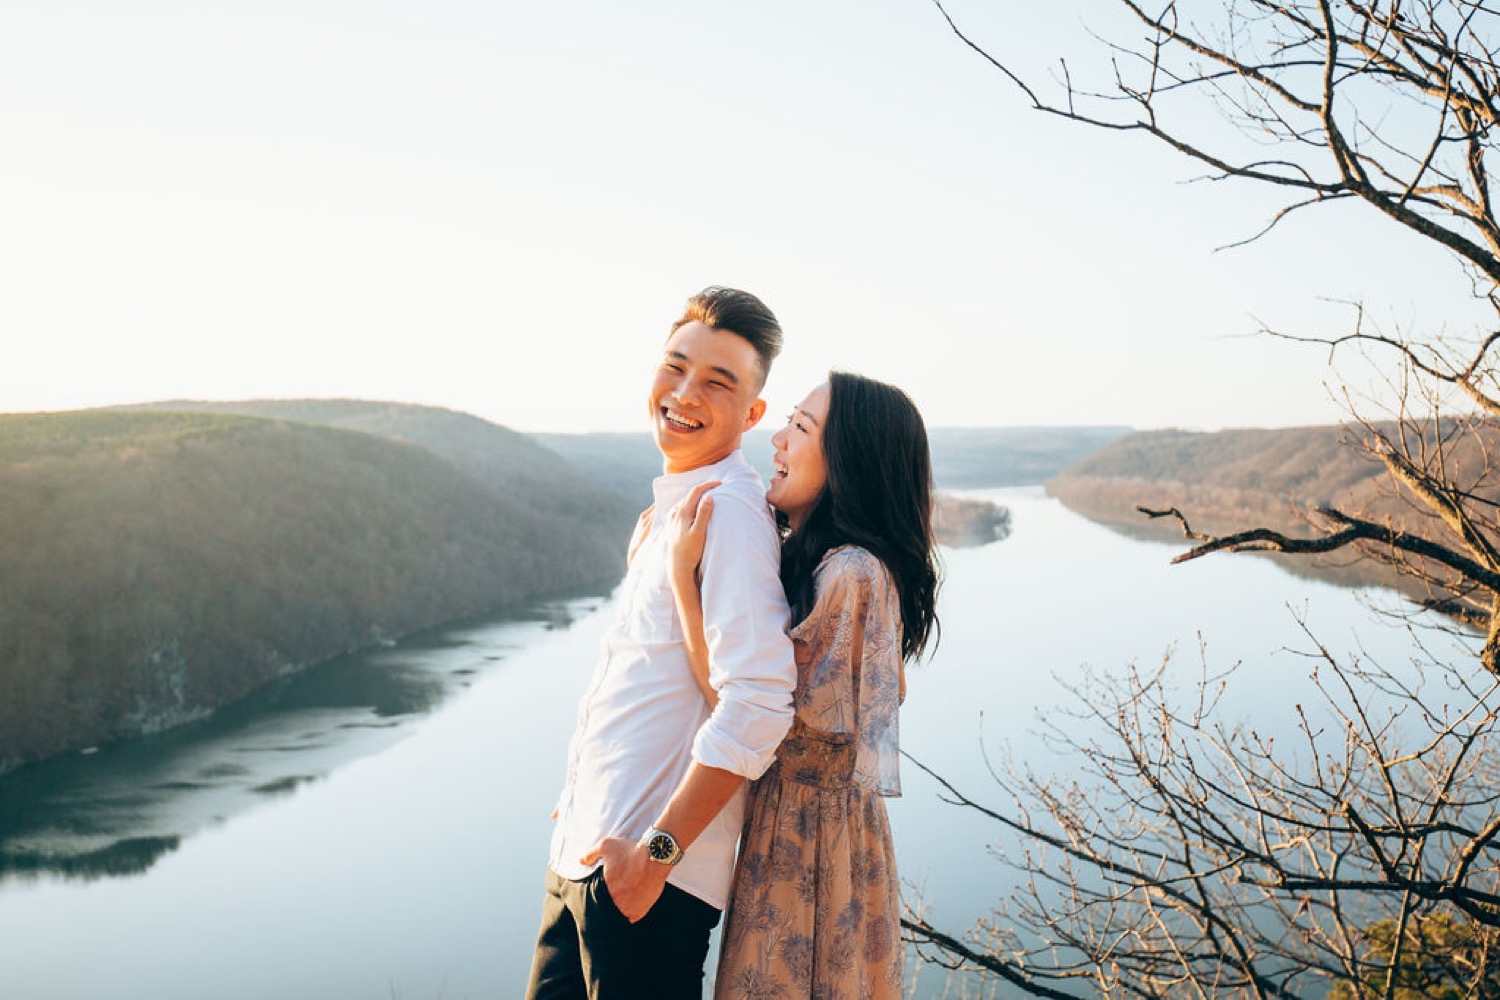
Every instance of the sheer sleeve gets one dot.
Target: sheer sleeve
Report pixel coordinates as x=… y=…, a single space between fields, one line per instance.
x=850 y=652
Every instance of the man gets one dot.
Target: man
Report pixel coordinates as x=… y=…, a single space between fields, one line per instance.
x=643 y=852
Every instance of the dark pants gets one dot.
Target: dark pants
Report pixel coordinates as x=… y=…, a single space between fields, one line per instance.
x=587 y=951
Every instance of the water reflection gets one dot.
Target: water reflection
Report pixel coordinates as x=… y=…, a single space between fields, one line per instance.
x=118 y=810
x=130 y=856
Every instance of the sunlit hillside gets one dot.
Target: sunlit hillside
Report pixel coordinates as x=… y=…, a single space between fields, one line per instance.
x=1222 y=477
x=1227 y=481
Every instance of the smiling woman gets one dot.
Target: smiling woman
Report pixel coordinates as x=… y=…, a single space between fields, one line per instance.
x=800 y=468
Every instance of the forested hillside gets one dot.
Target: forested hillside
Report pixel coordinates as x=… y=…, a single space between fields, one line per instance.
x=1223 y=476
x=156 y=565
x=1226 y=481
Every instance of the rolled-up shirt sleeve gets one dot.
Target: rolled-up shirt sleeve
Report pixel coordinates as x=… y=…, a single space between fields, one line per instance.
x=745 y=621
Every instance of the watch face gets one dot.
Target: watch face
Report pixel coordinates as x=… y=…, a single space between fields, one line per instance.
x=661 y=848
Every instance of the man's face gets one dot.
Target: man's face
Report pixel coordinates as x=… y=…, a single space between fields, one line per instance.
x=706 y=394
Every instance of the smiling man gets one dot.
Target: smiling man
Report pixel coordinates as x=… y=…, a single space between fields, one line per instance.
x=643 y=851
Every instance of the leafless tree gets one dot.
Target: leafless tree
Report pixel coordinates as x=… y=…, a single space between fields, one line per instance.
x=1393 y=105
x=1186 y=856
x=1190 y=858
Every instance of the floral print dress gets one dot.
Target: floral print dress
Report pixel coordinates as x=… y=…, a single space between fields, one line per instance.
x=815 y=910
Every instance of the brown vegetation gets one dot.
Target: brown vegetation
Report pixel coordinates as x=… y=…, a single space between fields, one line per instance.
x=1225 y=475
x=1275 y=478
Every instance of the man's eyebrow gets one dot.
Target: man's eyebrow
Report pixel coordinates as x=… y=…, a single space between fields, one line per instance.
x=726 y=374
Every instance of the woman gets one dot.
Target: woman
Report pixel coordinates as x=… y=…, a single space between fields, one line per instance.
x=816 y=905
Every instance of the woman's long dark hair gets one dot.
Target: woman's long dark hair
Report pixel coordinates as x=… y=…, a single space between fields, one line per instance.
x=878 y=496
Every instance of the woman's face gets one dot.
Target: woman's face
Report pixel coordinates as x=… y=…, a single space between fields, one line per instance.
x=799 y=469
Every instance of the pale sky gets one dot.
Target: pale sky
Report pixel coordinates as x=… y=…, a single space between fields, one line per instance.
x=499 y=207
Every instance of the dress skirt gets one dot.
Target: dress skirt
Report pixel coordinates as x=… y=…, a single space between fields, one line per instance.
x=815 y=911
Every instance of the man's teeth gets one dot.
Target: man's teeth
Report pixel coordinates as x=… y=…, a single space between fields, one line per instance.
x=681 y=421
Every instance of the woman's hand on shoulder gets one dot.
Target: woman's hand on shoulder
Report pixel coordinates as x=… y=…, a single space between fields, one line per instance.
x=687 y=533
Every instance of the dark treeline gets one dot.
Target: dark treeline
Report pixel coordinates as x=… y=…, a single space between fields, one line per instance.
x=155 y=565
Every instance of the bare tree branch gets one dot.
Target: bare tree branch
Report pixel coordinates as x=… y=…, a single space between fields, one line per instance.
x=1184 y=856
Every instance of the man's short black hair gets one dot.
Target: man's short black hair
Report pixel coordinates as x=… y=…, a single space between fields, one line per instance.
x=741 y=314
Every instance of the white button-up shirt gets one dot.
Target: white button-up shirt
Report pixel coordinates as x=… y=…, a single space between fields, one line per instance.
x=643 y=720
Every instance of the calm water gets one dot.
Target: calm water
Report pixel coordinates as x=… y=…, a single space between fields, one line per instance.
x=378 y=828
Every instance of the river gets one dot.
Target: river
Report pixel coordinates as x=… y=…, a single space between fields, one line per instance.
x=377 y=827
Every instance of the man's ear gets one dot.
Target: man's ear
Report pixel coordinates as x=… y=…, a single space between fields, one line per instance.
x=757 y=410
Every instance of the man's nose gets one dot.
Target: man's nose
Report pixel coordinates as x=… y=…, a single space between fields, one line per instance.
x=688 y=391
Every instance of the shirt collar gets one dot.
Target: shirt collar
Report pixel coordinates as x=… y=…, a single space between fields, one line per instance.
x=671 y=487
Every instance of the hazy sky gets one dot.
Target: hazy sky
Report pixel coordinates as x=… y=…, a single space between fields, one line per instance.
x=499 y=207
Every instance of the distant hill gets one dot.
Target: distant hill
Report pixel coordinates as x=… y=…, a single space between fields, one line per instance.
x=625 y=463
x=1224 y=474
x=514 y=466
x=1230 y=480
x=156 y=564
x=962 y=458
x=981 y=457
